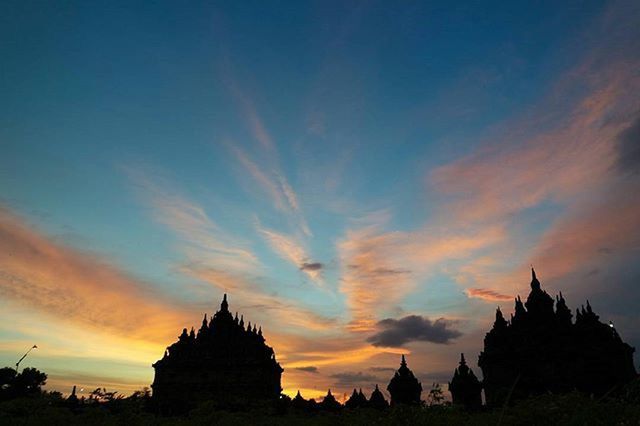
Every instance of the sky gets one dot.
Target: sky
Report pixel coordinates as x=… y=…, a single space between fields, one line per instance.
x=363 y=179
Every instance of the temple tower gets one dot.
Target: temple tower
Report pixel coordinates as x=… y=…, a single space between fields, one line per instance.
x=541 y=351
x=404 y=387
x=465 y=387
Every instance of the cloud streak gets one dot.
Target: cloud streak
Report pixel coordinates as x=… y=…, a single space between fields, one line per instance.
x=201 y=239
x=308 y=369
x=486 y=294
x=277 y=188
x=293 y=252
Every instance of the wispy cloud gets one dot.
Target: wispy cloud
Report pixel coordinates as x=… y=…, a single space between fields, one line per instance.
x=373 y=275
x=308 y=369
x=224 y=261
x=201 y=240
x=285 y=246
x=487 y=294
x=268 y=173
x=574 y=242
x=380 y=268
x=293 y=252
x=269 y=185
x=291 y=196
x=276 y=186
x=248 y=111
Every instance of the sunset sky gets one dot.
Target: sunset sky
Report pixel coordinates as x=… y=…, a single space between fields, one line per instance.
x=364 y=180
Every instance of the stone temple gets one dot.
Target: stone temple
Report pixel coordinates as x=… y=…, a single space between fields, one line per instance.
x=404 y=387
x=465 y=388
x=542 y=350
x=225 y=362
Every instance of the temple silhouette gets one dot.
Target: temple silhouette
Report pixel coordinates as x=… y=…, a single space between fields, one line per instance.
x=465 y=388
x=542 y=350
x=357 y=400
x=224 y=362
x=404 y=387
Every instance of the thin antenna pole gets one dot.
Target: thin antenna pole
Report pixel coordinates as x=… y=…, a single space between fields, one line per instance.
x=24 y=356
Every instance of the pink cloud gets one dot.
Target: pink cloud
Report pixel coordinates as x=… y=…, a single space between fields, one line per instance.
x=379 y=269
x=486 y=294
x=570 y=161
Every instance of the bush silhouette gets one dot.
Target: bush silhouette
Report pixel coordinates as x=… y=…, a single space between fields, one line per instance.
x=15 y=385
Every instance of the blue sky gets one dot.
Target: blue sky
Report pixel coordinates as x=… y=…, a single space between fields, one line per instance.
x=351 y=161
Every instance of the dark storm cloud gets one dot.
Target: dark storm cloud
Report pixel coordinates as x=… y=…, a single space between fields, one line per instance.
x=354 y=378
x=308 y=369
x=315 y=266
x=629 y=148
x=413 y=328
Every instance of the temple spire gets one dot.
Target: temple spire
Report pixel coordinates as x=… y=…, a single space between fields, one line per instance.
x=224 y=306
x=404 y=387
x=535 y=284
x=462 y=360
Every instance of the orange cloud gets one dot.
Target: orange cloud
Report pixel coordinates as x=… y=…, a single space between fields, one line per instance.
x=381 y=268
x=486 y=294
x=343 y=357
x=79 y=287
x=372 y=274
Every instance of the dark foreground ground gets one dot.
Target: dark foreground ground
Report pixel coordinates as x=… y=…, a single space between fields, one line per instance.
x=569 y=409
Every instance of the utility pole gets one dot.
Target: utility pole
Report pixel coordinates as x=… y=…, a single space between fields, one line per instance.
x=24 y=356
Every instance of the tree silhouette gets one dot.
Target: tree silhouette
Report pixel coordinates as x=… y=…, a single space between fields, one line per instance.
x=435 y=396
x=15 y=385
x=7 y=375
